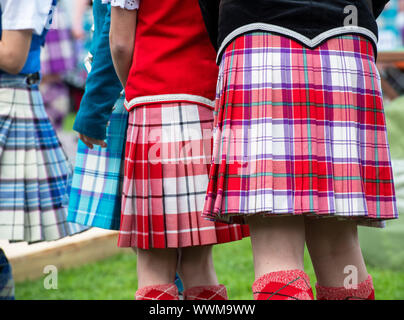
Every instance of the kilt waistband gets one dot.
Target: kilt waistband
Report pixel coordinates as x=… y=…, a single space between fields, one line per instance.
x=19 y=80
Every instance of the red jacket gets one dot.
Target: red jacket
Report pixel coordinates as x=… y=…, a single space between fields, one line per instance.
x=173 y=60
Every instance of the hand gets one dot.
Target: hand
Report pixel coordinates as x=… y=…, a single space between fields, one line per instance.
x=89 y=142
x=78 y=33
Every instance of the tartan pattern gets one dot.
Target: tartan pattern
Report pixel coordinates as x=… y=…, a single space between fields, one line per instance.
x=58 y=55
x=34 y=170
x=213 y=292
x=95 y=195
x=6 y=278
x=56 y=99
x=300 y=131
x=166 y=174
x=158 y=292
x=283 y=285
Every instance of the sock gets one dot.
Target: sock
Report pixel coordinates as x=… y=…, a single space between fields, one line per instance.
x=206 y=293
x=364 y=291
x=283 y=285
x=158 y=292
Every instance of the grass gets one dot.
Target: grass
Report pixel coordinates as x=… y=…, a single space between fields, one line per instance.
x=69 y=121
x=115 y=278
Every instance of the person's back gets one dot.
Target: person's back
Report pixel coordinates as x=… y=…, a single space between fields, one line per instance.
x=163 y=57
x=172 y=49
x=299 y=97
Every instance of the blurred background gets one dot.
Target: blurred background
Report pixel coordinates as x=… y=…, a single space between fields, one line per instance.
x=90 y=266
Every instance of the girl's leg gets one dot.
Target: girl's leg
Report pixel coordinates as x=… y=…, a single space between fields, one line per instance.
x=278 y=249
x=198 y=274
x=334 y=245
x=156 y=266
x=277 y=243
x=337 y=259
x=196 y=267
x=156 y=274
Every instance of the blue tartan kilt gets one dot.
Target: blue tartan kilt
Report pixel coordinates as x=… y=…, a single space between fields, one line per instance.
x=34 y=170
x=95 y=194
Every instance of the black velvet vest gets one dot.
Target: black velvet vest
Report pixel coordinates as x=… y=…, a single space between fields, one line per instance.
x=309 y=22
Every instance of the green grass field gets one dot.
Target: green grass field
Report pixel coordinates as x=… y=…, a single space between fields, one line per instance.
x=115 y=278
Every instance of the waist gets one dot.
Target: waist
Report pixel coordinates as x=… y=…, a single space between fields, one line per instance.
x=19 y=80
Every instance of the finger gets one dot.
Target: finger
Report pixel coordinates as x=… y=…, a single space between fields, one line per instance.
x=89 y=145
x=87 y=142
x=101 y=143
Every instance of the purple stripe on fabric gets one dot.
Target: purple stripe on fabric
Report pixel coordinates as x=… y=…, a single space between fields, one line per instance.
x=319 y=123
x=328 y=90
x=287 y=193
x=247 y=111
x=344 y=160
x=286 y=77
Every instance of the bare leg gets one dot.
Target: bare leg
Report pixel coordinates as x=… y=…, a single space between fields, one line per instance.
x=333 y=245
x=196 y=267
x=156 y=266
x=277 y=243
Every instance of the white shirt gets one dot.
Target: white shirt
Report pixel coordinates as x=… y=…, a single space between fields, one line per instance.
x=124 y=4
x=25 y=14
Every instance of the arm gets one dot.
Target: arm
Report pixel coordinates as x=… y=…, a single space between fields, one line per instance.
x=14 y=49
x=80 y=7
x=20 y=19
x=102 y=90
x=122 y=40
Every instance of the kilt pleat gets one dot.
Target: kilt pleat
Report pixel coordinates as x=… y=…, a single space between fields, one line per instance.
x=167 y=160
x=95 y=194
x=300 y=131
x=34 y=170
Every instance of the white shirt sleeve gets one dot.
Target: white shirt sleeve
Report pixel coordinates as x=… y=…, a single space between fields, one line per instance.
x=124 y=4
x=25 y=14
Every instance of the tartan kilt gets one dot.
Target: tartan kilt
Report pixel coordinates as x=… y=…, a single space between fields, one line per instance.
x=167 y=161
x=34 y=170
x=300 y=131
x=95 y=195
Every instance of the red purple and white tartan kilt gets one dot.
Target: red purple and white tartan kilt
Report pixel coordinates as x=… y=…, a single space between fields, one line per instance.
x=300 y=131
x=167 y=160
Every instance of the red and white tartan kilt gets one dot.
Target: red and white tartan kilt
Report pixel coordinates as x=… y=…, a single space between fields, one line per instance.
x=167 y=160
x=300 y=131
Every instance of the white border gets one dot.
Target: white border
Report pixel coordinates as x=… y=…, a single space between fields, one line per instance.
x=162 y=98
